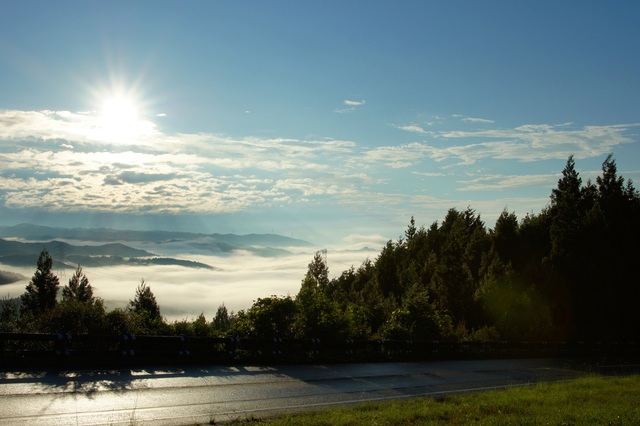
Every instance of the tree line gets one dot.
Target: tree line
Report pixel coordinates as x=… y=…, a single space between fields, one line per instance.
x=567 y=272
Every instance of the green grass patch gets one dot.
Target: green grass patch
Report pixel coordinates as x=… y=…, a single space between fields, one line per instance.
x=587 y=401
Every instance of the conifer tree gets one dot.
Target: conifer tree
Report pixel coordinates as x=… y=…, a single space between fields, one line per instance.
x=79 y=288
x=222 y=320
x=319 y=271
x=41 y=292
x=145 y=302
x=567 y=211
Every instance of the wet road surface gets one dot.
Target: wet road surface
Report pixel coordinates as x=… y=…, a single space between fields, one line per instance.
x=198 y=395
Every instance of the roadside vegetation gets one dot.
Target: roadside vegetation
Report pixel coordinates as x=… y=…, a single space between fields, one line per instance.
x=567 y=273
x=588 y=401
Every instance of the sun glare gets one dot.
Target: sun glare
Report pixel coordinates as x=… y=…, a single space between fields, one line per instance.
x=119 y=111
x=119 y=119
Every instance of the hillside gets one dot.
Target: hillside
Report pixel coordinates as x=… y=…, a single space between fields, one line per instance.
x=167 y=243
x=40 y=233
x=16 y=253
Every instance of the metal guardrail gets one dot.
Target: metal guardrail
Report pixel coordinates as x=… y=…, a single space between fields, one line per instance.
x=85 y=350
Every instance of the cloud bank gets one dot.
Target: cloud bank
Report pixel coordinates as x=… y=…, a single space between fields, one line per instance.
x=238 y=280
x=62 y=161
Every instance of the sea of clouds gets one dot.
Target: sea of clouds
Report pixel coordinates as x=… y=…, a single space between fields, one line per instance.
x=237 y=280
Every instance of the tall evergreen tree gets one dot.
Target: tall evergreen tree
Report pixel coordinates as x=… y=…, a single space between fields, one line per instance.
x=41 y=292
x=611 y=186
x=411 y=231
x=222 y=321
x=457 y=268
x=505 y=237
x=319 y=271
x=567 y=211
x=145 y=302
x=616 y=233
x=386 y=272
x=79 y=288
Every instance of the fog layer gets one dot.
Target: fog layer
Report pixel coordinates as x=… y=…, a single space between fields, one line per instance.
x=237 y=280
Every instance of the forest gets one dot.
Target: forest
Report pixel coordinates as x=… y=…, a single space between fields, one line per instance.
x=565 y=273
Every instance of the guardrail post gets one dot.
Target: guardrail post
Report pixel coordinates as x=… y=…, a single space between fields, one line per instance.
x=61 y=345
x=183 y=349
x=127 y=344
x=348 y=348
x=276 y=350
x=315 y=347
x=378 y=345
x=231 y=346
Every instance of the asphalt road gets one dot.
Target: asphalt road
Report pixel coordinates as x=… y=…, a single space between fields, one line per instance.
x=198 y=395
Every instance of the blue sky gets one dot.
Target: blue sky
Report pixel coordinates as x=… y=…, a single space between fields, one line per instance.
x=330 y=121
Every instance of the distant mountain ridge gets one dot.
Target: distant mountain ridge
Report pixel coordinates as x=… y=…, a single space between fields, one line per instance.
x=112 y=249
x=107 y=248
x=65 y=255
x=38 y=232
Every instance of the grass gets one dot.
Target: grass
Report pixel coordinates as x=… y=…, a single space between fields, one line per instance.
x=588 y=401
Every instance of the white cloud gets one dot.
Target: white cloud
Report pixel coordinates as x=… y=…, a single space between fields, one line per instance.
x=477 y=120
x=180 y=173
x=86 y=127
x=501 y=182
x=47 y=162
x=395 y=156
x=472 y=119
x=238 y=280
x=429 y=174
x=351 y=106
x=412 y=128
x=359 y=241
x=533 y=143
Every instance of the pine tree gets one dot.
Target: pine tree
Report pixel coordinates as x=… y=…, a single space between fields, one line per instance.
x=145 y=302
x=79 y=288
x=567 y=211
x=222 y=320
x=616 y=236
x=41 y=292
x=411 y=231
x=505 y=237
x=319 y=271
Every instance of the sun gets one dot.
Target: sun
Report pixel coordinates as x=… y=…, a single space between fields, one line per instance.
x=118 y=118
x=118 y=111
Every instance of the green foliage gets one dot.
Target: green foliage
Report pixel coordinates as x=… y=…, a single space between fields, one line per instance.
x=416 y=319
x=223 y=321
x=78 y=288
x=9 y=315
x=516 y=311
x=505 y=240
x=268 y=317
x=120 y=321
x=182 y=328
x=144 y=312
x=563 y=273
x=75 y=316
x=317 y=315
x=144 y=303
x=566 y=272
x=198 y=327
x=319 y=271
x=41 y=292
x=358 y=325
